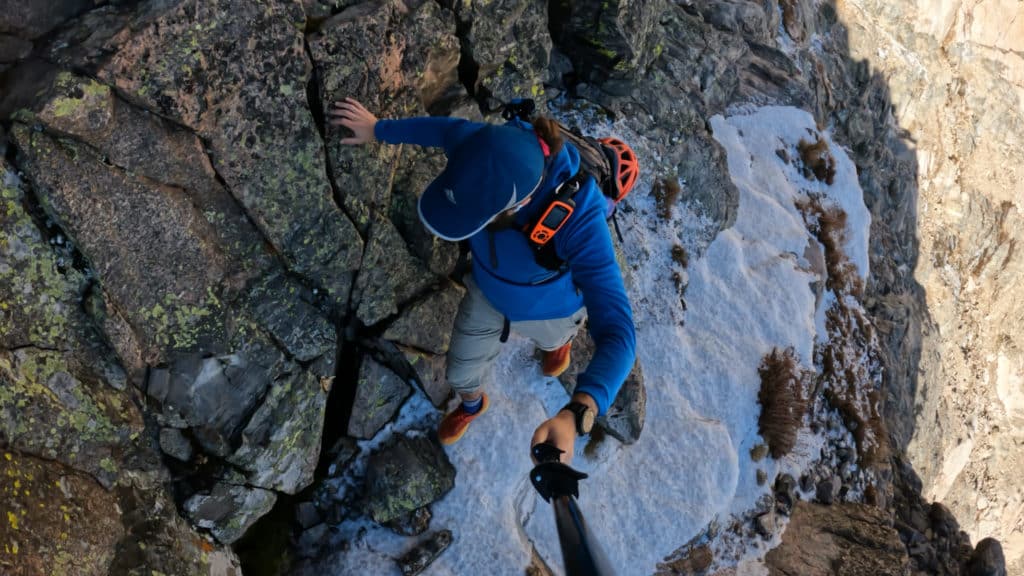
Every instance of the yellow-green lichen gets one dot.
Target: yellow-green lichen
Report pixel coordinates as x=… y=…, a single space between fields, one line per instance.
x=91 y=90
x=177 y=324
x=35 y=298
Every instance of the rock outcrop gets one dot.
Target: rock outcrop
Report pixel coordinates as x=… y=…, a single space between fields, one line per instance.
x=196 y=275
x=845 y=540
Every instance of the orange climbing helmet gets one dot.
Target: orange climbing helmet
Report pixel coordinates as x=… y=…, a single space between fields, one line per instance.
x=624 y=164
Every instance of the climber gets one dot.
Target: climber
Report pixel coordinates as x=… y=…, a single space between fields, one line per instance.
x=499 y=191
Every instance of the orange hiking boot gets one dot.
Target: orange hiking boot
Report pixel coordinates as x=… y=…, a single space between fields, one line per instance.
x=554 y=362
x=455 y=423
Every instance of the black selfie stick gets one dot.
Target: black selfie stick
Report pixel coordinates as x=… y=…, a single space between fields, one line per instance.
x=559 y=484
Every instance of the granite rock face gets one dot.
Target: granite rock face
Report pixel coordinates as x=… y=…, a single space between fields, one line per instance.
x=71 y=429
x=845 y=539
x=187 y=250
x=947 y=258
x=247 y=100
x=427 y=325
x=379 y=394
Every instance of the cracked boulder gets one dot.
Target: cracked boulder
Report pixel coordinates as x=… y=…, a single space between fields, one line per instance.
x=379 y=394
x=403 y=64
x=286 y=310
x=248 y=102
x=214 y=396
x=427 y=324
x=148 y=243
x=390 y=276
x=406 y=475
x=243 y=364
x=609 y=42
x=509 y=41
x=61 y=397
x=625 y=417
x=229 y=509
x=281 y=442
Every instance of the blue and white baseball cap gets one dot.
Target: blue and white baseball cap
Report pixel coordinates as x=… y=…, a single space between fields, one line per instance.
x=490 y=171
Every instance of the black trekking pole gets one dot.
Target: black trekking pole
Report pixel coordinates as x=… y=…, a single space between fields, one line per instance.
x=559 y=484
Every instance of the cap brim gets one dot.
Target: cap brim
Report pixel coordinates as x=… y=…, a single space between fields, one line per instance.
x=446 y=221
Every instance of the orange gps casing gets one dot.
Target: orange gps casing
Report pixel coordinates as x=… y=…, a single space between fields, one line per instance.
x=551 y=221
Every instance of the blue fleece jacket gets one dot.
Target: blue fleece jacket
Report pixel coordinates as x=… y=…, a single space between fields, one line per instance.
x=507 y=273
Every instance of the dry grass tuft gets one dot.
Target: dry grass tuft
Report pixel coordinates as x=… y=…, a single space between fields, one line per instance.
x=679 y=256
x=666 y=192
x=829 y=226
x=782 y=401
x=818 y=160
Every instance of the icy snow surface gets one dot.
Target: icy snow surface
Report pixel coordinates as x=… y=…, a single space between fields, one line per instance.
x=747 y=293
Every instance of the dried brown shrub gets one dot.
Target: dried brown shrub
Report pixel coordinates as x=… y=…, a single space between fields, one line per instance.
x=847 y=381
x=781 y=399
x=679 y=256
x=818 y=160
x=829 y=226
x=666 y=192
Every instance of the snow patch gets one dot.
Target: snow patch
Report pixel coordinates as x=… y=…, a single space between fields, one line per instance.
x=699 y=343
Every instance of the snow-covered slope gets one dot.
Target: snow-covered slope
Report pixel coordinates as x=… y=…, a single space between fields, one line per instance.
x=746 y=292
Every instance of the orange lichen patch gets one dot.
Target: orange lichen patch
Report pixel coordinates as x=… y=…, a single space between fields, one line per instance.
x=54 y=526
x=203 y=544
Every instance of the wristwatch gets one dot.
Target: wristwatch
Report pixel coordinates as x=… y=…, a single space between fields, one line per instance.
x=584 y=417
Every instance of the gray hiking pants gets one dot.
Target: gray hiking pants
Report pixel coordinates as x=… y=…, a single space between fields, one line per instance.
x=476 y=338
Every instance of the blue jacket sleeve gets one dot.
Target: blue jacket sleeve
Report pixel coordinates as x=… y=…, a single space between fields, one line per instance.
x=433 y=131
x=595 y=271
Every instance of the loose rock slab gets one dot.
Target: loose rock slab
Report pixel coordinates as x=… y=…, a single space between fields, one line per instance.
x=379 y=395
x=427 y=325
x=625 y=417
x=406 y=475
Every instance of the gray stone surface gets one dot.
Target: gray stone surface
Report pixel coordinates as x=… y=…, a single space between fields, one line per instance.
x=281 y=442
x=175 y=444
x=407 y=474
x=430 y=372
x=229 y=509
x=248 y=101
x=624 y=420
x=610 y=42
x=390 y=275
x=215 y=395
x=33 y=19
x=379 y=394
x=283 y=307
x=427 y=324
x=509 y=41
